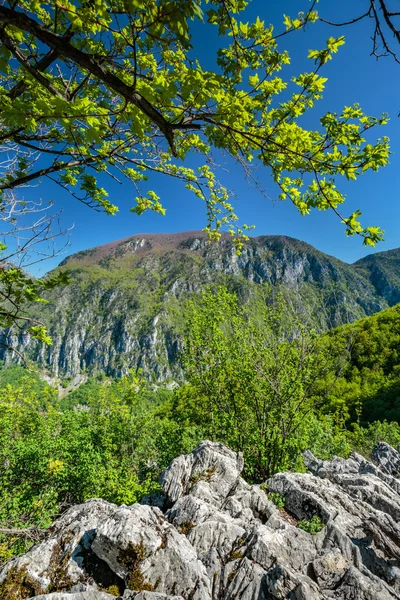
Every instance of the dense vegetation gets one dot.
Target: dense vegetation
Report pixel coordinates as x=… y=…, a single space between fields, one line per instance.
x=268 y=385
x=370 y=386
x=264 y=383
x=112 y=443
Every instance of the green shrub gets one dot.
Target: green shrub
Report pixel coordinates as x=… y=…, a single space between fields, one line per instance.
x=256 y=379
x=277 y=499
x=312 y=526
x=363 y=439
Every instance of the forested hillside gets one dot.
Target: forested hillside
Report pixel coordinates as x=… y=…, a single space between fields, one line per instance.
x=383 y=272
x=124 y=305
x=371 y=382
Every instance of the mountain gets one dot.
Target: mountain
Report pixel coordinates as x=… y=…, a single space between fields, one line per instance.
x=123 y=307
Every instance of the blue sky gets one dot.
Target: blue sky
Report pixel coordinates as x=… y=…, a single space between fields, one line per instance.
x=353 y=76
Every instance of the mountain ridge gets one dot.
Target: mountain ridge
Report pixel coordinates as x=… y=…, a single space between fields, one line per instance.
x=174 y=241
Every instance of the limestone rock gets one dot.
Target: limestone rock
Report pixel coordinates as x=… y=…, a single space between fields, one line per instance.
x=220 y=538
x=63 y=558
x=210 y=472
x=88 y=595
x=150 y=552
x=387 y=459
x=128 y=595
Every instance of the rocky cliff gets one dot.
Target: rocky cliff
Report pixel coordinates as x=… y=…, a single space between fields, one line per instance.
x=123 y=307
x=211 y=536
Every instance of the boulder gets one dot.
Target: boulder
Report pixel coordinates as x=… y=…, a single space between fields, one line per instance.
x=387 y=459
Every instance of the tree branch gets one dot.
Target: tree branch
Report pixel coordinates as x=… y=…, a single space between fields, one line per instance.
x=43 y=172
x=389 y=23
x=42 y=65
x=12 y=47
x=21 y=356
x=88 y=62
x=367 y=14
x=30 y=532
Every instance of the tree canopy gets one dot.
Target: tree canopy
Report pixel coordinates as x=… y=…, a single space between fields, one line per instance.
x=116 y=87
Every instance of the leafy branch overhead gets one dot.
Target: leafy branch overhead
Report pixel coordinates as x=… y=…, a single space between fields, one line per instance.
x=116 y=87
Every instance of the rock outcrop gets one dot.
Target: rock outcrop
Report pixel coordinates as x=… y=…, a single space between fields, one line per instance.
x=211 y=536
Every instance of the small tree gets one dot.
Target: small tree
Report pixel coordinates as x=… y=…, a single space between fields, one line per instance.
x=30 y=233
x=256 y=378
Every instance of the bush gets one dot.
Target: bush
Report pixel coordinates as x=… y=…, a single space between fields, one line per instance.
x=255 y=379
x=312 y=526
x=363 y=439
x=113 y=447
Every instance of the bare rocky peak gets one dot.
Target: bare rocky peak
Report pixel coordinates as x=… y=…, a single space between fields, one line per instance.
x=141 y=242
x=211 y=536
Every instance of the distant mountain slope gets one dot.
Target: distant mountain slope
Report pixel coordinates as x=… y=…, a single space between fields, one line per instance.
x=123 y=307
x=383 y=271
